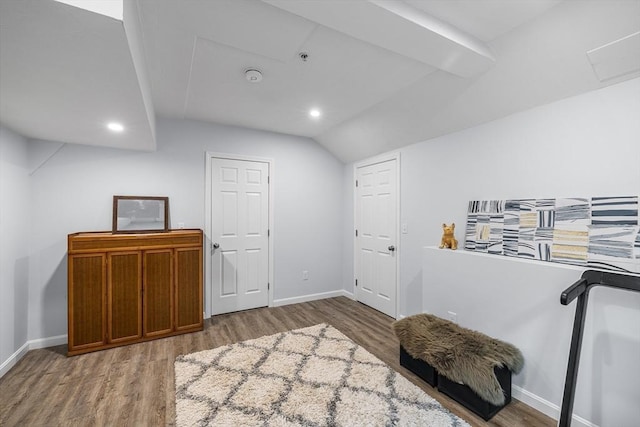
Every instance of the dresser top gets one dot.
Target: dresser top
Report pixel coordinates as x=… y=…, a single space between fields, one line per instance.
x=105 y=241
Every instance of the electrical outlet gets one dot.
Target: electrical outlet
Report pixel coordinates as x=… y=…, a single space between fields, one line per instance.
x=452 y=316
x=305 y=275
x=181 y=225
x=405 y=228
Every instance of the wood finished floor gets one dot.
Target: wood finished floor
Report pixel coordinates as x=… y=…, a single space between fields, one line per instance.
x=134 y=385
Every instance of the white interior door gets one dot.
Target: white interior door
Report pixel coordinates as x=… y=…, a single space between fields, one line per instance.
x=239 y=234
x=376 y=235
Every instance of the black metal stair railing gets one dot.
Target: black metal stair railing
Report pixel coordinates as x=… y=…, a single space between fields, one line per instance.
x=580 y=290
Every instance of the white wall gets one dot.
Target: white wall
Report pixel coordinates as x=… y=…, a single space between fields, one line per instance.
x=73 y=192
x=14 y=246
x=348 y=266
x=586 y=145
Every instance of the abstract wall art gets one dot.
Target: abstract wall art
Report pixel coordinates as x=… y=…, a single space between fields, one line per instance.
x=596 y=232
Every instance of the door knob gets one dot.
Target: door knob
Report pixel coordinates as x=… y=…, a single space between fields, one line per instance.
x=216 y=245
x=392 y=248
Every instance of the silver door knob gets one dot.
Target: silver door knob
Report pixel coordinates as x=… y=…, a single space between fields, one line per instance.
x=216 y=245
x=392 y=248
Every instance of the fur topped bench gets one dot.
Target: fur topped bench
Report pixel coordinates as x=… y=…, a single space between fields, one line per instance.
x=459 y=354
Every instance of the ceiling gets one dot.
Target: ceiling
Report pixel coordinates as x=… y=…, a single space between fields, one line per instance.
x=383 y=73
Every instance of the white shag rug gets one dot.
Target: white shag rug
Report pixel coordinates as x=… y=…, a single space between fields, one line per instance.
x=313 y=376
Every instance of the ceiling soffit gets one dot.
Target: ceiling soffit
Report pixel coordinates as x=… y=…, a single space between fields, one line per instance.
x=66 y=72
x=401 y=28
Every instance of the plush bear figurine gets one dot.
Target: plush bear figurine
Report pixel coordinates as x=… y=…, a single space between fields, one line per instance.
x=448 y=241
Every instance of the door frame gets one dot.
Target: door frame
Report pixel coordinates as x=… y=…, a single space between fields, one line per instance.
x=209 y=155
x=395 y=155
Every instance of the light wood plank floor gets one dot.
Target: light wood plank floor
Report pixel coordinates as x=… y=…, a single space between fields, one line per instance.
x=134 y=385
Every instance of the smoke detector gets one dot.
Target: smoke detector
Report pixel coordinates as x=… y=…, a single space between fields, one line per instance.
x=253 y=76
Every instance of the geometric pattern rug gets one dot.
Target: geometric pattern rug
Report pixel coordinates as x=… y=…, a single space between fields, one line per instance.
x=313 y=376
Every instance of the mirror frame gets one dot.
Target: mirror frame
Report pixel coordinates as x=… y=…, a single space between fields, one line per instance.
x=163 y=206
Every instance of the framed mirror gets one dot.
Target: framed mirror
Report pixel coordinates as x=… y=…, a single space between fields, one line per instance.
x=140 y=214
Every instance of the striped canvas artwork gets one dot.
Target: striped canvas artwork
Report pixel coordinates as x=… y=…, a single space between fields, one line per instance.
x=598 y=232
x=572 y=212
x=614 y=211
x=484 y=227
x=511 y=227
x=570 y=245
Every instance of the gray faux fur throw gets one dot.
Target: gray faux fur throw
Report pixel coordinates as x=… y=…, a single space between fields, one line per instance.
x=460 y=354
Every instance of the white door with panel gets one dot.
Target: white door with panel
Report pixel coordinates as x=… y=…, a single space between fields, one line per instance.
x=376 y=235
x=239 y=234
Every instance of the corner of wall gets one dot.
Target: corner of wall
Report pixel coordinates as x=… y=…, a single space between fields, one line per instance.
x=14 y=247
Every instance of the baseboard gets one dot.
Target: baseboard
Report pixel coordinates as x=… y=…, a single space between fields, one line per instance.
x=30 y=345
x=577 y=421
x=13 y=359
x=47 y=342
x=312 y=297
x=550 y=409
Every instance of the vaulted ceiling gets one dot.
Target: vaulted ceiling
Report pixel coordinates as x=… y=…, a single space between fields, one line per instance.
x=383 y=73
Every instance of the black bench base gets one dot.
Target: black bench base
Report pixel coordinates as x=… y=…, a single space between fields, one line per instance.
x=459 y=392
x=470 y=400
x=419 y=367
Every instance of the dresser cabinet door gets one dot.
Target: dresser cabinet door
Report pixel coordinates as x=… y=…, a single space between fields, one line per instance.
x=124 y=296
x=188 y=289
x=87 y=301
x=158 y=292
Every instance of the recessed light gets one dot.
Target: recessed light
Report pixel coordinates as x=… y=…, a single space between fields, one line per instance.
x=315 y=113
x=115 y=127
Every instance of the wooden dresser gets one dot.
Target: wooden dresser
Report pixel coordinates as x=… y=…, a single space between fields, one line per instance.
x=128 y=288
